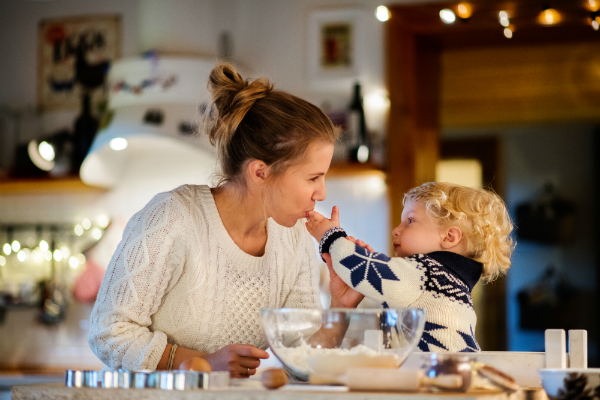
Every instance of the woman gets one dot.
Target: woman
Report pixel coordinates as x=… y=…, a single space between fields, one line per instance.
x=197 y=264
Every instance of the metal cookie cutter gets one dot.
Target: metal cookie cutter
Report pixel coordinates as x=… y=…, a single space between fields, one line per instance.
x=81 y=378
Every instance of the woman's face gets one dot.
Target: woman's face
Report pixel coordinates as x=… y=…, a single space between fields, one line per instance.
x=298 y=189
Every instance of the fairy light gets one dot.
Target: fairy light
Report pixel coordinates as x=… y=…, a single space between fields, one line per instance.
x=96 y=233
x=595 y=24
x=508 y=33
x=81 y=259
x=382 y=13
x=57 y=255
x=464 y=10
x=44 y=246
x=2 y=261
x=7 y=249
x=102 y=220
x=549 y=17
x=66 y=252
x=86 y=223
x=73 y=262
x=37 y=256
x=21 y=256
x=78 y=230
x=48 y=255
x=16 y=246
x=503 y=17
x=447 y=16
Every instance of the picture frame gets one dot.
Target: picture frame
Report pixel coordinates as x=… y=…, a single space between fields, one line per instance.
x=74 y=54
x=334 y=50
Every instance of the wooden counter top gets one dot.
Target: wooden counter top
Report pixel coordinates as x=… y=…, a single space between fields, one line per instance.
x=288 y=392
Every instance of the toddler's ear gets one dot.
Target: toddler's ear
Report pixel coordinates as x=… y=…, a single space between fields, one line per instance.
x=452 y=238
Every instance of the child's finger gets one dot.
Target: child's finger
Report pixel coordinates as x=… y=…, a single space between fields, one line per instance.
x=351 y=238
x=361 y=243
x=335 y=215
x=369 y=248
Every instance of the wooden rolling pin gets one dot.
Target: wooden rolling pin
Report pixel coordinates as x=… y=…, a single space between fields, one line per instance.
x=396 y=380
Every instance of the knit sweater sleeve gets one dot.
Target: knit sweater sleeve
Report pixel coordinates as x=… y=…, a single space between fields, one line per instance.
x=148 y=260
x=305 y=290
x=397 y=282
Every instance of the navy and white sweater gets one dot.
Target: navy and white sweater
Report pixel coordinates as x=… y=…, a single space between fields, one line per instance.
x=438 y=282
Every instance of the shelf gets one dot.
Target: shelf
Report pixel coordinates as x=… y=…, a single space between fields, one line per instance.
x=347 y=169
x=39 y=186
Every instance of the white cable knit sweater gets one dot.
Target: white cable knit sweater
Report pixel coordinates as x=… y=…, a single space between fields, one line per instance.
x=177 y=277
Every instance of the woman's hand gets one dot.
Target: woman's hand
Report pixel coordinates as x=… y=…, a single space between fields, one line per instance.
x=317 y=224
x=241 y=360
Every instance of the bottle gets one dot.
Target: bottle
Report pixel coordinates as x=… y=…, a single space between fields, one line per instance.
x=356 y=128
x=85 y=129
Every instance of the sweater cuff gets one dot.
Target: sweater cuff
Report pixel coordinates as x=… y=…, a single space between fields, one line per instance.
x=329 y=237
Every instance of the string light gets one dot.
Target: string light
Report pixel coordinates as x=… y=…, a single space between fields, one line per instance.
x=595 y=24
x=382 y=13
x=96 y=233
x=7 y=249
x=81 y=259
x=21 y=255
x=16 y=246
x=447 y=16
x=508 y=33
x=464 y=10
x=102 y=220
x=503 y=15
x=549 y=17
x=86 y=223
x=66 y=252
x=73 y=262
x=78 y=230
x=48 y=255
x=44 y=246
x=2 y=261
x=57 y=255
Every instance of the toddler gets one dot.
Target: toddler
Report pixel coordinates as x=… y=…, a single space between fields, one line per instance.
x=449 y=237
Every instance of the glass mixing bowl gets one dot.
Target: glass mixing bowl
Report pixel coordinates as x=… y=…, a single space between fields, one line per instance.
x=324 y=343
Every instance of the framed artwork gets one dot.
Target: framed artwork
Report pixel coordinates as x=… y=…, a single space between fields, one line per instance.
x=333 y=53
x=74 y=55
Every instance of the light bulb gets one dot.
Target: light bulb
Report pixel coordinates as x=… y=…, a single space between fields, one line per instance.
x=508 y=33
x=21 y=256
x=447 y=16
x=362 y=155
x=57 y=255
x=81 y=259
x=16 y=246
x=118 y=144
x=7 y=249
x=46 y=151
x=37 y=256
x=44 y=246
x=102 y=220
x=549 y=17
x=86 y=223
x=2 y=261
x=96 y=233
x=73 y=262
x=595 y=25
x=78 y=230
x=48 y=255
x=464 y=10
x=382 y=13
x=66 y=252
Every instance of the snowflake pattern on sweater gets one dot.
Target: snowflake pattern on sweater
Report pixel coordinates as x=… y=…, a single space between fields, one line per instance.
x=439 y=282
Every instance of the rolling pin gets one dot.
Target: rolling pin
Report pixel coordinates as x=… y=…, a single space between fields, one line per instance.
x=396 y=380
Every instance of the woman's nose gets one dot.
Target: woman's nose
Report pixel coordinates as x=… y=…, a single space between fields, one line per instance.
x=321 y=193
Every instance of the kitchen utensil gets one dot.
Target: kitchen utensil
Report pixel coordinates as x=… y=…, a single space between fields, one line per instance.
x=81 y=378
x=571 y=383
x=310 y=341
x=440 y=364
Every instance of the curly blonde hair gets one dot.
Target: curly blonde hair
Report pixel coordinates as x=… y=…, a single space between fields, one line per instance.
x=480 y=214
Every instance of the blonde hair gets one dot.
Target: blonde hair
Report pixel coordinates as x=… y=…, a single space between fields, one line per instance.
x=254 y=121
x=480 y=214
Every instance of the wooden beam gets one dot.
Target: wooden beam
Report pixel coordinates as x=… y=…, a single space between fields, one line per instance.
x=413 y=76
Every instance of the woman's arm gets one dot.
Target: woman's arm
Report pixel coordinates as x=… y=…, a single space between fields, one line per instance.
x=148 y=259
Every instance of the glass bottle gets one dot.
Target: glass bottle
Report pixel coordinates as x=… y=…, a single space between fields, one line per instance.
x=356 y=127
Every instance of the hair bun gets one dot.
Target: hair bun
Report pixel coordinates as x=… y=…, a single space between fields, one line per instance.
x=233 y=97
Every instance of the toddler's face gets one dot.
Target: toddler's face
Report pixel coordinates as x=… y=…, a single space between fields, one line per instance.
x=417 y=233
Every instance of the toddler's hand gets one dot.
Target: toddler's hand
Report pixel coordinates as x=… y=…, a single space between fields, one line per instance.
x=360 y=243
x=317 y=224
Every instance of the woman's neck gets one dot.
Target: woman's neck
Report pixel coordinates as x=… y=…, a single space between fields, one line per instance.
x=243 y=215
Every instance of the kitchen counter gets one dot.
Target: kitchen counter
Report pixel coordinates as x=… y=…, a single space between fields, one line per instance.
x=288 y=392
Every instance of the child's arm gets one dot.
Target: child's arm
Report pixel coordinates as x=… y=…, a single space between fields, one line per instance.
x=397 y=281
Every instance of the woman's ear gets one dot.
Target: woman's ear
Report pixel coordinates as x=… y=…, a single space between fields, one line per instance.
x=452 y=238
x=256 y=172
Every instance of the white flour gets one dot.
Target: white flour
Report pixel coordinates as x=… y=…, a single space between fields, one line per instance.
x=305 y=358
